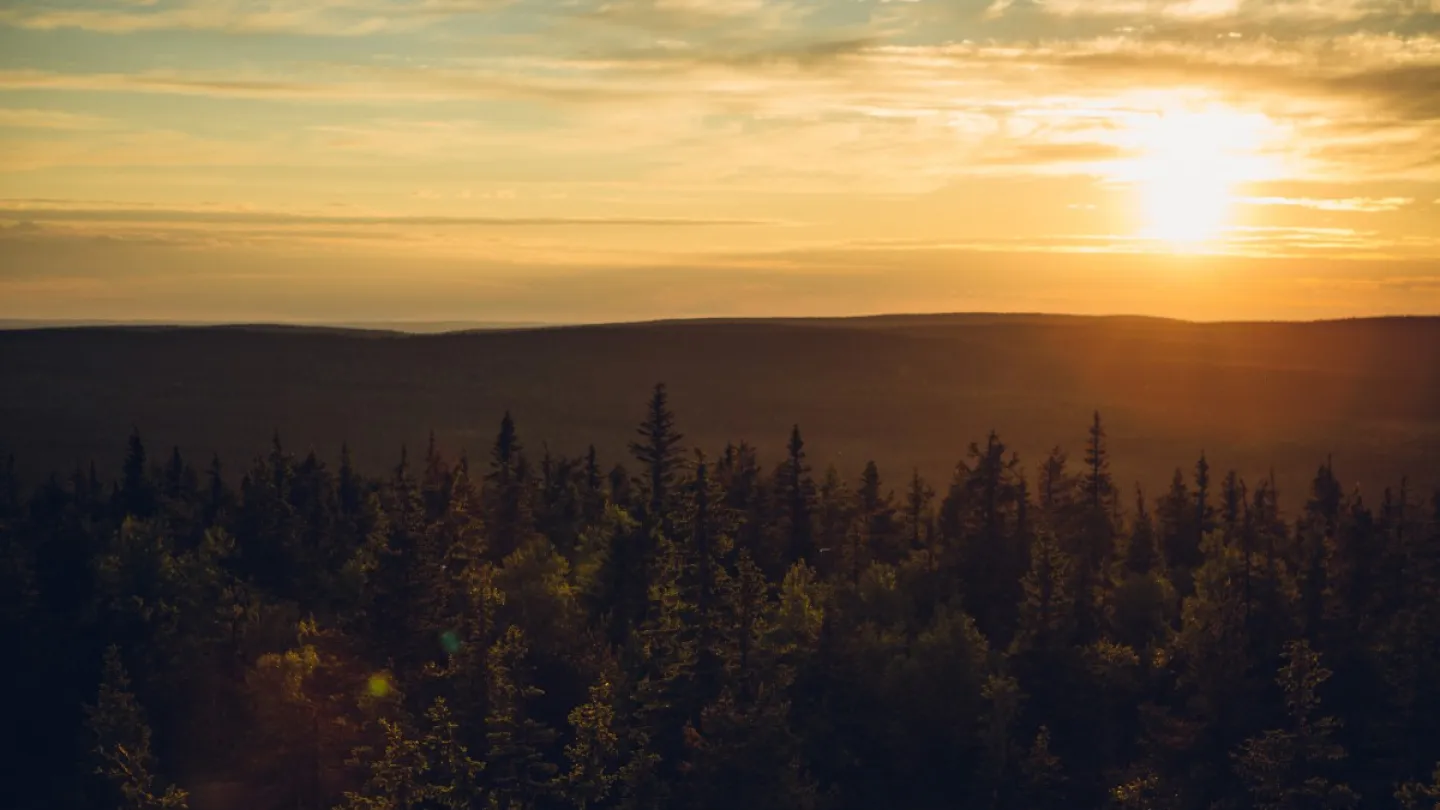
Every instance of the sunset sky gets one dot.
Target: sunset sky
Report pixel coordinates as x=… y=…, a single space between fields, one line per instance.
x=583 y=160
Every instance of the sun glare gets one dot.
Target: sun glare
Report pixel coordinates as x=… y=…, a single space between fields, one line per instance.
x=1190 y=164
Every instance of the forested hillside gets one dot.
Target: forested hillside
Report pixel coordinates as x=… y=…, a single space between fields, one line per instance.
x=527 y=630
x=905 y=391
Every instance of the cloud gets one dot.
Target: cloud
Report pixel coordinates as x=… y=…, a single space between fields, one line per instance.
x=32 y=213
x=15 y=118
x=695 y=97
x=1367 y=205
x=338 y=18
x=1232 y=14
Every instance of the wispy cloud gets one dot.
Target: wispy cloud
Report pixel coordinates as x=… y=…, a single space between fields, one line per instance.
x=1369 y=205
x=14 y=118
x=311 y=17
x=1235 y=13
x=79 y=211
x=663 y=133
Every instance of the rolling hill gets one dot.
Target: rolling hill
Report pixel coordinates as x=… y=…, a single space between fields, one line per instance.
x=903 y=390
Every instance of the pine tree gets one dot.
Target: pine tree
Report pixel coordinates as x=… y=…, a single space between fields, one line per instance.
x=218 y=498
x=665 y=694
x=593 y=488
x=658 y=451
x=427 y=769
x=747 y=497
x=1212 y=647
x=307 y=719
x=918 y=499
x=508 y=515
x=1179 y=540
x=1232 y=505
x=435 y=481
x=402 y=589
x=175 y=474
x=1204 y=512
x=395 y=776
x=1351 y=567
x=1410 y=646
x=1056 y=487
x=1419 y=796
x=709 y=526
x=1041 y=775
x=348 y=485
x=1003 y=699
x=1141 y=555
x=836 y=535
x=516 y=766
x=122 y=744
x=453 y=778
x=1140 y=606
x=463 y=582
x=137 y=493
x=1047 y=613
x=1097 y=484
x=1290 y=768
x=877 y=516
x=987 y=503
x=594 y=750
x=796 y=497
x=1266 y=585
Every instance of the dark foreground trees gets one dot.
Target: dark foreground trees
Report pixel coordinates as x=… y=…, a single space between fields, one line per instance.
x=536 y=632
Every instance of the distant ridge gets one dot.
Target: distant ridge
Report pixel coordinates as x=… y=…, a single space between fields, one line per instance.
x=399 y=327
x=884 y=320
x=911 y=390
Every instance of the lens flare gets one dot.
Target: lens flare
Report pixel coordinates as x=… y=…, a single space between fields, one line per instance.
x=379 y=685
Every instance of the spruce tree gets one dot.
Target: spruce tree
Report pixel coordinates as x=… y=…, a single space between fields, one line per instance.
x=1232 y=505
x=836 y=534
x=1141 y=554
x=594 y=750
x=1047 y=614
x=658 y=452
x=918 y=498
x=137 y=492
x=508 y=517
x=1056 y=487
x=877 y=515
x=395 y=776
x=1179 y=541
x=1420 y=796
x=1097 y=484
x=1042 y=777
x=1204 y=511
x=1292 y=768
x=516 y=765
x=122 y=744
x=796 y=497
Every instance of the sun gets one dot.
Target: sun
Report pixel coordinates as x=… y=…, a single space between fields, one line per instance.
x=1191 y=162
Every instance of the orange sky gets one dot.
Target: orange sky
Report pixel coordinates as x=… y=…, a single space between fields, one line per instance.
x=324 y=160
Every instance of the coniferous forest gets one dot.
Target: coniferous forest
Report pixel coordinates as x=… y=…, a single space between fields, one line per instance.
x=688 y=629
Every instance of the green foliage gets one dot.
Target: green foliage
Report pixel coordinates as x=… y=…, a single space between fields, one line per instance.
x=717 y=634
x=518 y=770
x=1047 y=614
x=595 y=749
x=1289 y=768
x=1419 y=796
x=121 y=738
x=658 y=451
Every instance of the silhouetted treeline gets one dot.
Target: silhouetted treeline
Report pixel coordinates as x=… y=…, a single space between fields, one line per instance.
x=528 y=631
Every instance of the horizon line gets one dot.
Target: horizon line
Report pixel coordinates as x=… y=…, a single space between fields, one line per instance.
x=452 y=326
